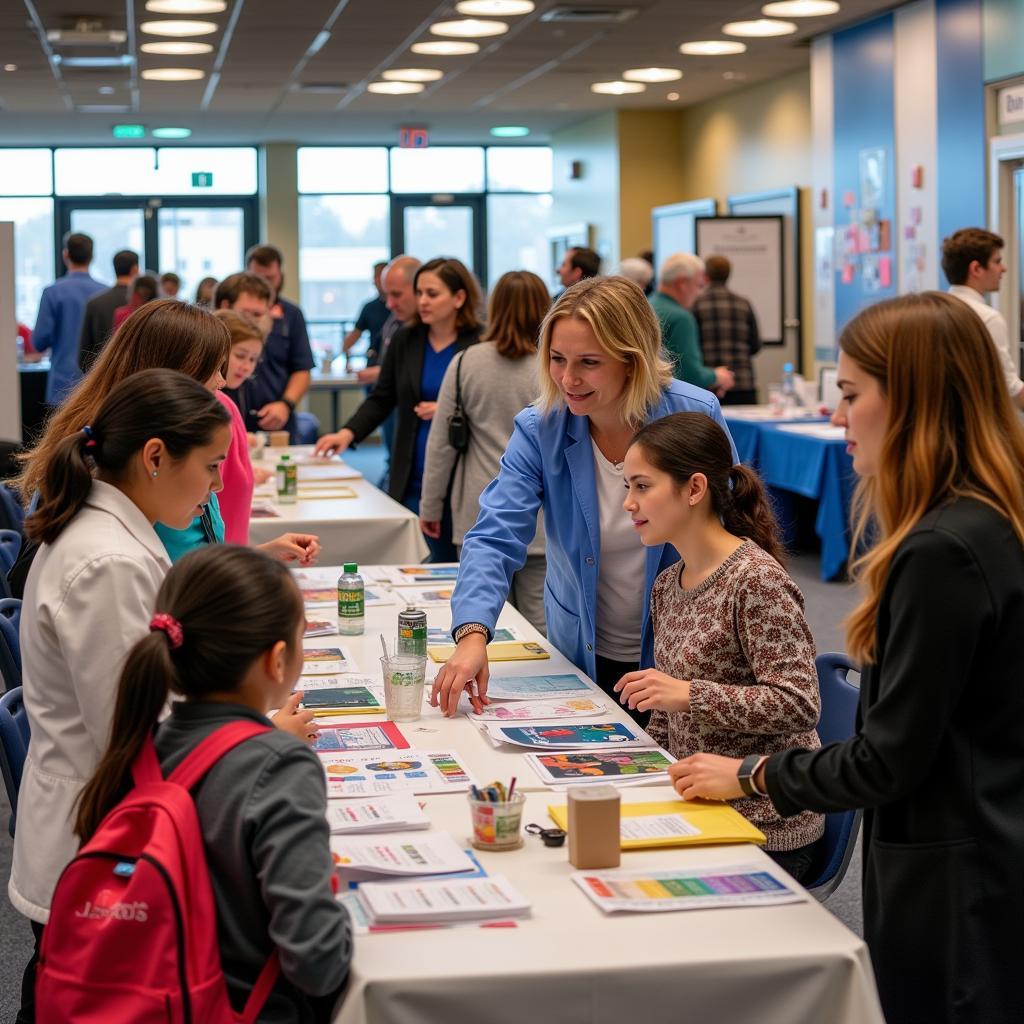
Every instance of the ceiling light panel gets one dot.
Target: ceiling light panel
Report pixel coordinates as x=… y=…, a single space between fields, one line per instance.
x=469 y=28
x=495 y=8
x=176 y=48
x=173 y=74
x=617 y=88
x=186 y=6
x=762 y=28
x=412 y=75
x=396 y=88
x=448 y=48
x=653 y=75
x=712 y=48
x=178 y=28
x=800 y=8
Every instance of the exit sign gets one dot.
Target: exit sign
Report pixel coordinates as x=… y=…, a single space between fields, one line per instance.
x=413 y=138
x=202 y=179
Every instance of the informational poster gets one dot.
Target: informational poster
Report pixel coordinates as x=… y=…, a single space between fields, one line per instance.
x=754 y=247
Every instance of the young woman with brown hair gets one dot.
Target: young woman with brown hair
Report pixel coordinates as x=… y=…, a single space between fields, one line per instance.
x=733 y=655
x=936 y=758
x=495 y=380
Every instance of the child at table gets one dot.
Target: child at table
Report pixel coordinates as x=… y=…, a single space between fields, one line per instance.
x=227 y=638
x=734 y=656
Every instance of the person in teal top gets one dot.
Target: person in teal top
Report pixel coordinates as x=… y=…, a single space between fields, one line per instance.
x=205 y=529
x=680 y=281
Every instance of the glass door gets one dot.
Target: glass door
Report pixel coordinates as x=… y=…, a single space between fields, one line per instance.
x=196 y=242
x=111 y=231
x=440 y=225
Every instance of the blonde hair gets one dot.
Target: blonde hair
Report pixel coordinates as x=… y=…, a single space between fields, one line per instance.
x=627 y=329
x=239 y=327
x=951 y=432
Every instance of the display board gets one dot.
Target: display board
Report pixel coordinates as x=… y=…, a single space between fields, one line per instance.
x=672 y=227
x=754 y=247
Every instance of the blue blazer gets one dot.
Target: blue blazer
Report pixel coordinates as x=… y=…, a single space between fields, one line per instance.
x=549 y=462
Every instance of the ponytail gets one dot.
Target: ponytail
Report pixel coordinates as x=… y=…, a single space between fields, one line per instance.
x=685 y=443
x=219 y=608
x=746 y=512
x=151 y=404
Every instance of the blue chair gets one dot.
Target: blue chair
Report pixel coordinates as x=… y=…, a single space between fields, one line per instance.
x=10 y=545
x=307 y=428
x=14 y=736
x=839 y=700
x=12 y=515
x=10 y=643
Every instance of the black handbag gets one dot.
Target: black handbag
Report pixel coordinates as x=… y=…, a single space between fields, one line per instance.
x=458 y=425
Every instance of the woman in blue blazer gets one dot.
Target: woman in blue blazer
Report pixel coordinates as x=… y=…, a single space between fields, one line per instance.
x=602 y=376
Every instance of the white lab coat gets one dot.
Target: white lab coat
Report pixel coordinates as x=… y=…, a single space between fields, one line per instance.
x=88 y=599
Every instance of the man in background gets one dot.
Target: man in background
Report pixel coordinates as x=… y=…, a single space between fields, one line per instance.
x=728 y=331
x=372 y=318
x=972 y=260
x=170 y=285
x=681 y=279
x=284 y=375
x=578 y=263
x=98 y=319
x=59 y=322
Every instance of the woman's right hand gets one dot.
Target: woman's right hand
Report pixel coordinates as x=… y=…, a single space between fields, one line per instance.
x=334 y=444
x=467 y=665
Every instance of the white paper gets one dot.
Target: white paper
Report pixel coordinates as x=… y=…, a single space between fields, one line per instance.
x=329 y=682
x=824 y=431
x=439 y=573
x=377 y=814
x=316 y=471
x=452 y=900
x=656 y=826
x=397 y=771
x=402 y=853
x=540 y=710
x=330 y=663
x=538 y=687
x=427 y=596
x=737 y=885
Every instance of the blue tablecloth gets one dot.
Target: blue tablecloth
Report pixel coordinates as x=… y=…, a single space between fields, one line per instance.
x=814 y=467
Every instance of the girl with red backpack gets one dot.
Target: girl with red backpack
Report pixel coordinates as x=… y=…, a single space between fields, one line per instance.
x=227 y=638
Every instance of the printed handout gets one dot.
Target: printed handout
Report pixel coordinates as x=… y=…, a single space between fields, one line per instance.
x=541 y=710
x=574 y=766
x=360 y=736
x=320 y=627
x=457 y=899
x=376 y=814
x=412 y=575
x=570 y=735
x=326 y=661
x=402 y=853
x=411 y=771
x=535 y=687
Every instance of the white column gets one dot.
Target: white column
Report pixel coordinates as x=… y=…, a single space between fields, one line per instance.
x=823 y=200
x=10 y=383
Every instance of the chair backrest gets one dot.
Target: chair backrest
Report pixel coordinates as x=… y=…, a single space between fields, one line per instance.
x=839 y=700
x=10 y=645
x=10 y=545
x=12 y=515
x=14 y=737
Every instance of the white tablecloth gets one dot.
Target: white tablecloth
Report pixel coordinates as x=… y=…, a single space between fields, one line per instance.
x=569 y=962
x=371 y=527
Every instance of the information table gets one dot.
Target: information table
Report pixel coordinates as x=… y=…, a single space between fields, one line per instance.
x=370 y=526
x=569 y=962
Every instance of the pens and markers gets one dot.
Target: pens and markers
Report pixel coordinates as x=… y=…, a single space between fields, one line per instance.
x=495 y=793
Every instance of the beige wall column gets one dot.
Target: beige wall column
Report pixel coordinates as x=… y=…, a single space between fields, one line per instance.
x=279 y=207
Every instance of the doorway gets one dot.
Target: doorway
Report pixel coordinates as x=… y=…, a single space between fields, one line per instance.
x=441 y=225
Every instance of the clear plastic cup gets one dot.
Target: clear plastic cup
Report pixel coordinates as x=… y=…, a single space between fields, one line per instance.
x=404 y=676
x=497 y=825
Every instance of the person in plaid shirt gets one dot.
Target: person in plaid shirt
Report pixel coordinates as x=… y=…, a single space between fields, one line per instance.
x=728 y=331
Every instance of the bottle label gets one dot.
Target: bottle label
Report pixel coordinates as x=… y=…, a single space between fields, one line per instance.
x=351 y=603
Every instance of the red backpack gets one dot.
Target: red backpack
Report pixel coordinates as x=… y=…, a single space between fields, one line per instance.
x=132 y=934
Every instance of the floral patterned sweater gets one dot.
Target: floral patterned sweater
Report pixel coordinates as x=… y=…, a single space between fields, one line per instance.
x=741 y=639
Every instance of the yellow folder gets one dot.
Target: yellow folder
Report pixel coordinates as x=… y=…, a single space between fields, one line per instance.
x=718 y=823
x=501 y=650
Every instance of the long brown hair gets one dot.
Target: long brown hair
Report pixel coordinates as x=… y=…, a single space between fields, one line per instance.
x=233 y=604
x=164 y=333
x=685 y=443
x=160 y=404
x=951 y=432
x=518 y=303
x=457 y=277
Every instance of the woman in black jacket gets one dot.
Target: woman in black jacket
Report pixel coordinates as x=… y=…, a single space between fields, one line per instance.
x=446 y=322
x=937 y=759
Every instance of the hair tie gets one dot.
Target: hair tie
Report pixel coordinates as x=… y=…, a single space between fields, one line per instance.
x=90 y=439
x=169 y=625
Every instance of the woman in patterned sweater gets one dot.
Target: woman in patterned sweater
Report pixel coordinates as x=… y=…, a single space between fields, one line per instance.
x=735 y=659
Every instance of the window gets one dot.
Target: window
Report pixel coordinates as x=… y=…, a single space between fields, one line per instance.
x=444 y=169
x=26 y=172
x=33 y=252
x=343 y=169
x=516 y=235
x=519 y=169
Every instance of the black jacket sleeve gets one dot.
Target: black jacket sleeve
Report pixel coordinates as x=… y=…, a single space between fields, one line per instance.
x=382 y=400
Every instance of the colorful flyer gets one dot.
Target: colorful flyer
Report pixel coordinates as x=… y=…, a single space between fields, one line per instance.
x=419 y=597
x=574 y=766
x=413 y=575
x=570 y=735
x=739 y=885
x=437 y=637
x=533 y=687
x=341 y=700
x=542 y=710
x=320 y=627
x=315 y=597
x=360 y=736
x=326 y=661
x=412 y=771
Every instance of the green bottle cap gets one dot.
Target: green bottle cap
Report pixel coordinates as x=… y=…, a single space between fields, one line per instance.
x=351 y=567
x=284 y=458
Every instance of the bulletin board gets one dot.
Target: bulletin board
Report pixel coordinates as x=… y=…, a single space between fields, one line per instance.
x=754 y=247
x=672 y=227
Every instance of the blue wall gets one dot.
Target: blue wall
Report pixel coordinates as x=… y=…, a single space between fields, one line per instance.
x=863 y=118
x=961 y=115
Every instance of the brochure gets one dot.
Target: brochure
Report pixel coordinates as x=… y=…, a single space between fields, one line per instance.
x=570 y=736
x=442 y=901
x=412 y=771
x=540 y=710
x=377 y=814
x=326 y=661
x=403 y=853
x=575 y=767
x=502 y=650
x=412 y=575
x=427 y=596
x=318 y=470
x=443 y=637
x=319 y=597
x=360 y=736
x=738 y=885
x=320 y=627
x=534 y=687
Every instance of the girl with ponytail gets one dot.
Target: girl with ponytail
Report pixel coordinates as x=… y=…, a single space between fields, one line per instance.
x=734 y=657
x=226 y=638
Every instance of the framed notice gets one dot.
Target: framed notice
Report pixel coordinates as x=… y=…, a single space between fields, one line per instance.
x=754 y=247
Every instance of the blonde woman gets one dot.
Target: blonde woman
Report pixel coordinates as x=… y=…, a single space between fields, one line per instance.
x=937 y=757
x=602 y=375
x=495 y=381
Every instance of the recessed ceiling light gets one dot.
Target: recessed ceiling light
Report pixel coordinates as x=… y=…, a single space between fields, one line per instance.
x=712 y=48
x=617 y=88
x=412 y=75
x=186 y=6
x=509 y=131
x=10 y=67
x=173 y=74
x=761 y=28
x=171 y=133
x=396 y=88
x=469 y=28
x=106 y=90
x=734 y=76
x=800 y=8
x=673 y=96
x=172 y=48
x=445 y=49
x=495 y=8
x=652 y=75
x=178 y=28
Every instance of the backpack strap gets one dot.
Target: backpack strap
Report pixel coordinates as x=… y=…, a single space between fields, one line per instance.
x=212 y=749
x=146 y=766
x=261 y=990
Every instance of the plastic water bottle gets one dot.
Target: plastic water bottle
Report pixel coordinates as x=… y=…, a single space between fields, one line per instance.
x=287 y=481
x=351 y=601
x=790 y=399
